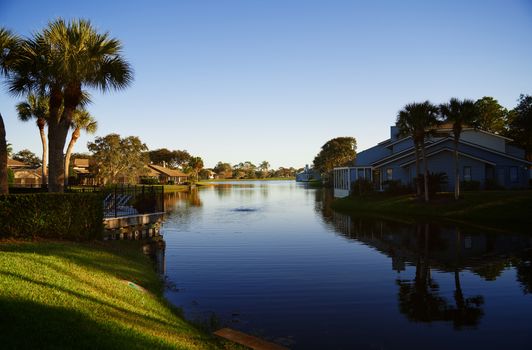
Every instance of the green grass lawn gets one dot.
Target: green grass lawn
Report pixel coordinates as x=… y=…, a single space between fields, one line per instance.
x=56 y=295
x=510 y=210
x=175 y=188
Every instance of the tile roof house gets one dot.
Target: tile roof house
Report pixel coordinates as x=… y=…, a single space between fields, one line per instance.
x=165 y=175
x=483 y=156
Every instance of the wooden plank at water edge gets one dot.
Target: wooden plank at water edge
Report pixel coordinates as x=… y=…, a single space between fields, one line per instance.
x=247 y=340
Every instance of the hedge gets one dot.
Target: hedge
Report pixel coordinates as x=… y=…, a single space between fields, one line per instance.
x=72 y=216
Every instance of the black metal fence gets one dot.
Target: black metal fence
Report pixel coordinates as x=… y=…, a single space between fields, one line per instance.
x=125 y=200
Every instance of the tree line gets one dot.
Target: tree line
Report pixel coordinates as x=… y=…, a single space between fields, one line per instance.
x=420 y=120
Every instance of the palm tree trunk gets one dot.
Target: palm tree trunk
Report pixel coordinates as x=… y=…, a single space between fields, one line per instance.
x=70 y=148
x=418 y=184
x=57 y=134
x=456 y=172
x=425 y=172
x=44 y=156
x=4 y=189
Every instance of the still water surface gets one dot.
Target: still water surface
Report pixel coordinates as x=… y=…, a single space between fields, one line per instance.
x=272 y=259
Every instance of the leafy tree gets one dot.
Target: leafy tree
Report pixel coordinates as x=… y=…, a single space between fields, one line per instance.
x=116 y=157
x=28 y=157
x=459 y=114
x=195 y=164
x=224 y=170
x=418 y=120
x=520 y=125
x=81 y=120
x=173 y=159
x=58 y=62
x=491 y=116
x=9 y=44
x=36 y=107
x=336 y=152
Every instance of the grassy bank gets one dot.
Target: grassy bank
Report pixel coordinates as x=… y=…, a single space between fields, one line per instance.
x=509 y=210
x=175 y=188
x=103 y=295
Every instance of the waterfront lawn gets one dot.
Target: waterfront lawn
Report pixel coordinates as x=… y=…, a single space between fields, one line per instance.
x=510 y=210
x=175 y=188
x=79 y=296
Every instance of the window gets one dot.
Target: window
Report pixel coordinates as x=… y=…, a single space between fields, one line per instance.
x=389 y=174
x=467 y=173
x=360 y=174
x=513 y=174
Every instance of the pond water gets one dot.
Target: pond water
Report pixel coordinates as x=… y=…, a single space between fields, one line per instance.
x=272 y=259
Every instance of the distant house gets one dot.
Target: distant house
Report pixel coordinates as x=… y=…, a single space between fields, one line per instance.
x=24 y=176
x=165 y=175
x=81 y=174
x=308 y=174
x=484 y=157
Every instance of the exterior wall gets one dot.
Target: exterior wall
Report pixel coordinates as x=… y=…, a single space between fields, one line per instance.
x=515 y=151
x=485 y=140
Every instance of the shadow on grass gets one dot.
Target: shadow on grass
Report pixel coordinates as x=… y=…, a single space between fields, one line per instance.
x=30 y=325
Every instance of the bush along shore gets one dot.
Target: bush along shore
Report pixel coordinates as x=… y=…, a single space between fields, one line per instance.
x=502 y=210
x=99 y=295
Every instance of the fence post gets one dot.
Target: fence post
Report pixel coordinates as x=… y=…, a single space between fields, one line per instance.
x=115 y=203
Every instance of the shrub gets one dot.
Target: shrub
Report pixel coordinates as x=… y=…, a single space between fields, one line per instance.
x=74 y=216
x=361 y=187
x=395 y=187
x=471 y=185
x=149 y=181
x=436 y=182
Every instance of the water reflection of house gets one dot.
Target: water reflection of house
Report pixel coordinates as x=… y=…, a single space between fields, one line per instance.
x=166 y=175
x=24 y=176
x=445 y=247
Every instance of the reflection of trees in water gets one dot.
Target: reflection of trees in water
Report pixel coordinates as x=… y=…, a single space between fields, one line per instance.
x=180 y=206
x=523 y=266
x=223 y=190
x=419 y=299
x=444 y=247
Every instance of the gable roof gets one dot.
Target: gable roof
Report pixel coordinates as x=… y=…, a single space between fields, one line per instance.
x=81 y=162
x=167 y=171
x=410 y=151
x=12 y=163
x=447 y=149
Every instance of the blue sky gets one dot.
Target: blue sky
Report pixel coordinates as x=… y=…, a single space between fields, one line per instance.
x=274 y=80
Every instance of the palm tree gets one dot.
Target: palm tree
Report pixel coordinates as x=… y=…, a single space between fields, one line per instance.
x=9 y=43
x=58 y=62
x=81 y=120
x=37 y=107
x=418 y=120
x=460 y=114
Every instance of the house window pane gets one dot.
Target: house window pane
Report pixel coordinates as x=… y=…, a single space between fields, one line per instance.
x=360 y=173
x=467 y=173
x=513 y=174
x=389 y=174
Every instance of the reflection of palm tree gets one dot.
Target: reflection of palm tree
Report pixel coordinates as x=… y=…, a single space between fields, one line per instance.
x=419 y=300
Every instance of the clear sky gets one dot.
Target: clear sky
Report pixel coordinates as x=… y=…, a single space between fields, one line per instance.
x=274 y=80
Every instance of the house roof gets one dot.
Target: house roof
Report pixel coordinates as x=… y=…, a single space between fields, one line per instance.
x=447 y=149
x=410 y=151
x=11 y=163
x=81 y=162
x=167 y=171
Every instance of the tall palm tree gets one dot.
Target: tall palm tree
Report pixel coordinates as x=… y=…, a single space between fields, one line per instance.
x=81 y=120
x=9 y=44
x=460 y=114
x=59 y=62
x=406 y=126
x=418 y=120
x=37 y=107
